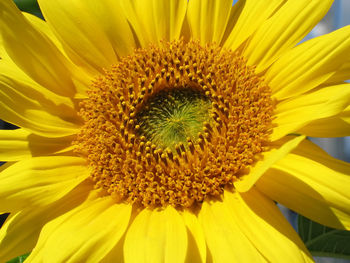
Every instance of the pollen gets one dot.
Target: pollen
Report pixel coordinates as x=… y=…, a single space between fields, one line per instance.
x=174 y=124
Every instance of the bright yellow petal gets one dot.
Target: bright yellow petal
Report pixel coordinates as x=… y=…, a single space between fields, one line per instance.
x=168 y=18
x=294 y=113
x=116 y=255
x=342 y=74
x=335 y=126
x=327 y=127
x=3 y=53
x=157 y=236
x=20 y=144
x=258 y=217
x=40 y=181
x=34 y=120
x=267 y=159
x=19 y=81
x=80 y=76
x=28 y=105
x=80 y=34
x=94 y=36
x=41 y=25
x=27 y=113
x=18 y=235
x=208 y=19
x=291 y=23
x=111 y=20
x=225 y=239
x=309 y=64
x=21 y=231
x=34 y=53
x=313 y=184
x=251 y=16
x=85 y=234
x=140 y=16
x=155 y=20
x=197 y=249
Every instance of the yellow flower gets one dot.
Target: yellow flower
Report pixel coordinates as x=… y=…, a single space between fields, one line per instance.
x=163 y=131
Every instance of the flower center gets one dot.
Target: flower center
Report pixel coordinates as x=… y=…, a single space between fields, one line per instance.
x=174 y=124
x=173 y=116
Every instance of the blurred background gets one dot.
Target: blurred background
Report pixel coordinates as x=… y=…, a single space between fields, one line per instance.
x=337 y=17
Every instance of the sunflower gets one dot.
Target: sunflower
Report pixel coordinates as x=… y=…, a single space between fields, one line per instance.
x=165 y=131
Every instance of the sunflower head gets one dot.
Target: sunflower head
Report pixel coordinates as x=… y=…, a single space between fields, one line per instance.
x=188 y=121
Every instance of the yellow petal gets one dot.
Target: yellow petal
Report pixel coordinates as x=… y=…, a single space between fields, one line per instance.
x=39 y=181
x=225 y=239
x=294 y=113
x=208 y=19
x=20 y=144
x=252 y=14
x=41 y=25
x=168 y=18
x=140 y=21
x=335 y=126
x=33 y=120
x=258 y=218
x=20 y=232
x=345 y=115
x=33 y=52
x=27 y=113
x=77 y=27
x=267 y=159
x=342 y=74
x=19 y=81
x=291 y=23
x=80 y=76
x=155 y=20
x=28 y=105
x=85 y=234
x=309 y=64
x=157 y=236
x=95 y=36
x=116 y=255
x=311 y=183
x=197 y=248
x=3 y=53
x=328 y=127
x=111 y=20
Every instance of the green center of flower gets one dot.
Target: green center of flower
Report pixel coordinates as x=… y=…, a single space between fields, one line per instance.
x=174 y=116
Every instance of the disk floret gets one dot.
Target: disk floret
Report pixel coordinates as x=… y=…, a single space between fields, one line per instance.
x=173 y=124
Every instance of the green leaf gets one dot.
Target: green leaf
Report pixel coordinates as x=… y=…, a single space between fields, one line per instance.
x=324 y=241
x=19 y=259
x=29 y=6
x=3 y=218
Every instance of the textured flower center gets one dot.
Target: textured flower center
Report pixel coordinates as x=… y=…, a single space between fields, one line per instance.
x=174 y=124
x=174 y=116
